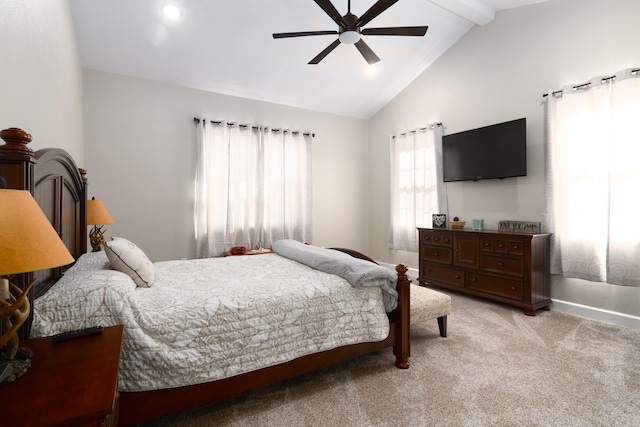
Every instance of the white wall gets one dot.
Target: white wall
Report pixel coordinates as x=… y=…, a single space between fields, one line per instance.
x=140 y=158
x=496 y=73
x=41 y=75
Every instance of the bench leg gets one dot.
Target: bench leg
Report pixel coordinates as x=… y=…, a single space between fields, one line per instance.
x=442 y=325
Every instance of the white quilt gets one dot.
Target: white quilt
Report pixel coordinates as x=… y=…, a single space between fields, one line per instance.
x=209 y=319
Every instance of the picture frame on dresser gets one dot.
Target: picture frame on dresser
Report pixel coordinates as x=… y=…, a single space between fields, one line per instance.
x=439 y=220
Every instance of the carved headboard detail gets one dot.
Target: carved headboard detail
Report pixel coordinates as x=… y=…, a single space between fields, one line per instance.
x=60 y=189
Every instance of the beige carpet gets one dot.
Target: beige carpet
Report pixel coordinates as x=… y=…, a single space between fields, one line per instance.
x=497 y=367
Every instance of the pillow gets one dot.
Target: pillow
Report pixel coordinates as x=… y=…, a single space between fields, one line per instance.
x=90 y=261
x=126 y=257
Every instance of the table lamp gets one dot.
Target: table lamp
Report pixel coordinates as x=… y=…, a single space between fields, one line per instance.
x=28 y=243
x=98 y=216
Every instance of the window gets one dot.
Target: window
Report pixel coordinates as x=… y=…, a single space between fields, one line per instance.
x=253 y=186
x=592 y=179
x=417 y=189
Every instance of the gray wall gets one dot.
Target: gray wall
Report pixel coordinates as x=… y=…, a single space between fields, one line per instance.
x=140 y=158
x=41 y=75
x=496 y=73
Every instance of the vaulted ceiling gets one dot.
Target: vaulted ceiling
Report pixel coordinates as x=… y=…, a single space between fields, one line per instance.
x=226 y=46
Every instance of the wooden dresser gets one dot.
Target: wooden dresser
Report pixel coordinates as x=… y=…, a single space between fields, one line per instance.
x=512 y=268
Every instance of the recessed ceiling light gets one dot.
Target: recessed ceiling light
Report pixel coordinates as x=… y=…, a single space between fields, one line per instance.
x=171 y=11
x=371 y=69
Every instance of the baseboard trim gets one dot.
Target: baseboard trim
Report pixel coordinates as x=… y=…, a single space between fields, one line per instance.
x=608 y=316
x=594 y=313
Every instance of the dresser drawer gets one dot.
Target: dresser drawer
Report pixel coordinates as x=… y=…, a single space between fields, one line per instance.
x=439 y=273
x=437 y=239
x=502 y=246
x=436 y=254
x=502 y=265
x=502 y=286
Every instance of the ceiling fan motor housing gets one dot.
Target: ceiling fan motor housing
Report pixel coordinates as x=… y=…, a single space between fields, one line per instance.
x=350 y=34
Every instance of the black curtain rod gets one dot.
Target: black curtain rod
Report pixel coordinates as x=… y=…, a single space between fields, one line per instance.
x=196 y=120
x=588 y=84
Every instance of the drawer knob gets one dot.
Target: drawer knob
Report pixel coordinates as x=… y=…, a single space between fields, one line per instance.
x=500 y=245
x=436 y=254
x=428 y=270
x=516 y=247
x=501 y=263
x=457 y=276
x=474 y=280
x=513 y=288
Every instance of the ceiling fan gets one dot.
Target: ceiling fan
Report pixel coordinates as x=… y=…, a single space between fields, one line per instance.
x=350 y=29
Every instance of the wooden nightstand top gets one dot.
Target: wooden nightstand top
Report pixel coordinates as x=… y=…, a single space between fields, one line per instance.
x=69 y=382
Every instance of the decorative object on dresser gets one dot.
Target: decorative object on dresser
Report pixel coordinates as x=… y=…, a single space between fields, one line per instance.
x=478 y=224
x=98 y=216
x=70 y=383
x=519 y=226
x=28 y=243
x=456 y=223
x=512 y=268
x=439 y=221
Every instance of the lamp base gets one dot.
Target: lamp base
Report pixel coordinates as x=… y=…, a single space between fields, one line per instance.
x=13 y=313
x=14 y=361
x=11 y=370
x=96 y=238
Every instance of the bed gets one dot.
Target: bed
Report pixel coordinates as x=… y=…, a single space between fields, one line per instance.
x=61 y=190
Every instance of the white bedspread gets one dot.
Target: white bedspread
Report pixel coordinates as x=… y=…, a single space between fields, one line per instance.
x=209 y=319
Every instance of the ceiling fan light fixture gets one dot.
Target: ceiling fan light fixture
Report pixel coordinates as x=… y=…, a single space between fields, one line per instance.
x=349 y=37
x=171 y=11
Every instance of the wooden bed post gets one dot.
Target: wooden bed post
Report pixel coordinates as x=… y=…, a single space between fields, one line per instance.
x=401 y=347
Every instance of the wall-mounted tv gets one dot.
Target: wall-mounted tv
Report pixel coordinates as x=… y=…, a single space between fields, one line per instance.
x=490 y=152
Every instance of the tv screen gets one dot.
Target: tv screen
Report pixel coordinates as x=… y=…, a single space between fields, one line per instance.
x=490 y=152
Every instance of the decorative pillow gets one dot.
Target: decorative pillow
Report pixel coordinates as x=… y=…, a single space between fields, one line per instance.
x=126 y=257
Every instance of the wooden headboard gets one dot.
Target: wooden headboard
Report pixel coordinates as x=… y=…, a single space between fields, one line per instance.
x=60 y=189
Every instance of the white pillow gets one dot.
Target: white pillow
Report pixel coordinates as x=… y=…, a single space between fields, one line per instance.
x=91 y=261
x=126 y=257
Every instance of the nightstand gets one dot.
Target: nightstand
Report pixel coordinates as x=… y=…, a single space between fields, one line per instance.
x=69 y=383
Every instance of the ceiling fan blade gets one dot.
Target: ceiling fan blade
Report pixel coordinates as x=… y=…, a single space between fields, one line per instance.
x=330 y=10
x=395 y=31
x=303 y=33
x=325 y=52
x=375 y=10
x=366 y=51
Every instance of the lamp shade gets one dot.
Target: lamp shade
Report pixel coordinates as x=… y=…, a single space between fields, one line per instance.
x=28 y=242
x=97 y=214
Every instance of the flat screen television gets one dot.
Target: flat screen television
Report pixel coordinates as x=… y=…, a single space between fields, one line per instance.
x=491 y=152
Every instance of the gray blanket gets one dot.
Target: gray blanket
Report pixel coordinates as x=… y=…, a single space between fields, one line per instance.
x=356 y=271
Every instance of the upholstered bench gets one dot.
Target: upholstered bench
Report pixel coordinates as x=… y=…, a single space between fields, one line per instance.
x=427 y=304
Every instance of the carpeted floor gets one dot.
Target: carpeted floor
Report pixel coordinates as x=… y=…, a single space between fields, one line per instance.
x=497 y=367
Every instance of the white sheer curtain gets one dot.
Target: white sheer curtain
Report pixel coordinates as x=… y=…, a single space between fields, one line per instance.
x=287 y=185
x=593 y=179
x=253 y=186
x=417 y=188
